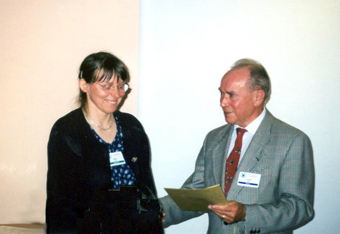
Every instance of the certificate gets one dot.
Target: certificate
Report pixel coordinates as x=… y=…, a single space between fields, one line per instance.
x=197 y=199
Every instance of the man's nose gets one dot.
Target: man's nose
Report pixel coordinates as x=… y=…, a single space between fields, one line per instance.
x=224 y=101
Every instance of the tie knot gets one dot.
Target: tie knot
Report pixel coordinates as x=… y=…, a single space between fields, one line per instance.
x=240 y=131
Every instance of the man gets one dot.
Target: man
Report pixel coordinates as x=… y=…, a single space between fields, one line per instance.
x=272 y=189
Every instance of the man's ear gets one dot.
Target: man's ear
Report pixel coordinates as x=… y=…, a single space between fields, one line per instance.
x=83 y=85
x=259 y=97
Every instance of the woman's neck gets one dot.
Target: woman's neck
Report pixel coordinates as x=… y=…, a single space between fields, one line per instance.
x=98 y=119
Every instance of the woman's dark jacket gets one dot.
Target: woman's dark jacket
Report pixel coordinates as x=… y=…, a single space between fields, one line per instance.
x=78 y=166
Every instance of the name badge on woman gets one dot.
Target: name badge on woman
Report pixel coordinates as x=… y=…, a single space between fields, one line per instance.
x=116 y=159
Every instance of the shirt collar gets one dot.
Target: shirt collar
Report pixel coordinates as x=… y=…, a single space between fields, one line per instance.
x=253 y=126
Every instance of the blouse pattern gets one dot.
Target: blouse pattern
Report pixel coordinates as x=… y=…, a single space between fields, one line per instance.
x=122 y=174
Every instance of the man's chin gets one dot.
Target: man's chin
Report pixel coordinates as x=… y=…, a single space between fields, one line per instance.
x=228 y=120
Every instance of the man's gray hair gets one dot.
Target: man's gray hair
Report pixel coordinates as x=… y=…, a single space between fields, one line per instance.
x=259 y=78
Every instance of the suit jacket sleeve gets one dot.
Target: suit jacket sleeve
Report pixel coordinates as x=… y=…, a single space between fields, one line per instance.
x=208 y=172
x=174 y=214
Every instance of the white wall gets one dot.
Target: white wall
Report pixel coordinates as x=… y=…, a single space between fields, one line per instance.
x=187 y=46
x=42 y=44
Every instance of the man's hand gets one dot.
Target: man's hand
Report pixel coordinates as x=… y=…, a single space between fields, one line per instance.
x=231 y=212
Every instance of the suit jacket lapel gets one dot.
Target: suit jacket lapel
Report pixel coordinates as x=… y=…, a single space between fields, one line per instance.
x=253 y=154
x=219 y=154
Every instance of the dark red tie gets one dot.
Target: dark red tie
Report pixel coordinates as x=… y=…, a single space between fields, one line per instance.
x=232 y=161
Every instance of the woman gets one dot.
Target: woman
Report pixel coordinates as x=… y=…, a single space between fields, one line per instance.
x=95 y=146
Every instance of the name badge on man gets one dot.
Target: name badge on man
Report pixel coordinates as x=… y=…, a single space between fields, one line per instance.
x=249 y=179
x=116 y=159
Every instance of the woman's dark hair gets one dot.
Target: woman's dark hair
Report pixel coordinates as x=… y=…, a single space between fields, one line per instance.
x=101 y=66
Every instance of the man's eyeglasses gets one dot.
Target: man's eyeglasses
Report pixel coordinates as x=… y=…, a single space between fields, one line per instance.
x=121 y=88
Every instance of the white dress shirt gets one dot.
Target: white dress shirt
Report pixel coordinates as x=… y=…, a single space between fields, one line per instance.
x=248 y=136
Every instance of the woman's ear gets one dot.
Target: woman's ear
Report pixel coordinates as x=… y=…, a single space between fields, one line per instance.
x=83 y=85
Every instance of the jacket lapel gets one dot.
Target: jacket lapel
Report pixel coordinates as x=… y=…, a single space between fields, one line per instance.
x=219 y=154
x=253 y=154
x=130 y=146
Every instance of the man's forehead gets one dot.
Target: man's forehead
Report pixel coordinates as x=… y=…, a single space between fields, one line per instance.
x=235 y=76
x=242 y=72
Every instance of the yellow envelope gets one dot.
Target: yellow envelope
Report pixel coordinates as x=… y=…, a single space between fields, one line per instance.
x=197 y=199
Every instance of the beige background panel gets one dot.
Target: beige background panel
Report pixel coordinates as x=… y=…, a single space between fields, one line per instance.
x=42 y=44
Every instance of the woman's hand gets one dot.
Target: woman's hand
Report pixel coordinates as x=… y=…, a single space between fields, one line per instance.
x=161 y=216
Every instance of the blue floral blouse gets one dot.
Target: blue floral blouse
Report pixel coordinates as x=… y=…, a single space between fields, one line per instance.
x=121 y=174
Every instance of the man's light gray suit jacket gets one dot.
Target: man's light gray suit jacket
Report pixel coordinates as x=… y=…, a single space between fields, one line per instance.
x=282 y=155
